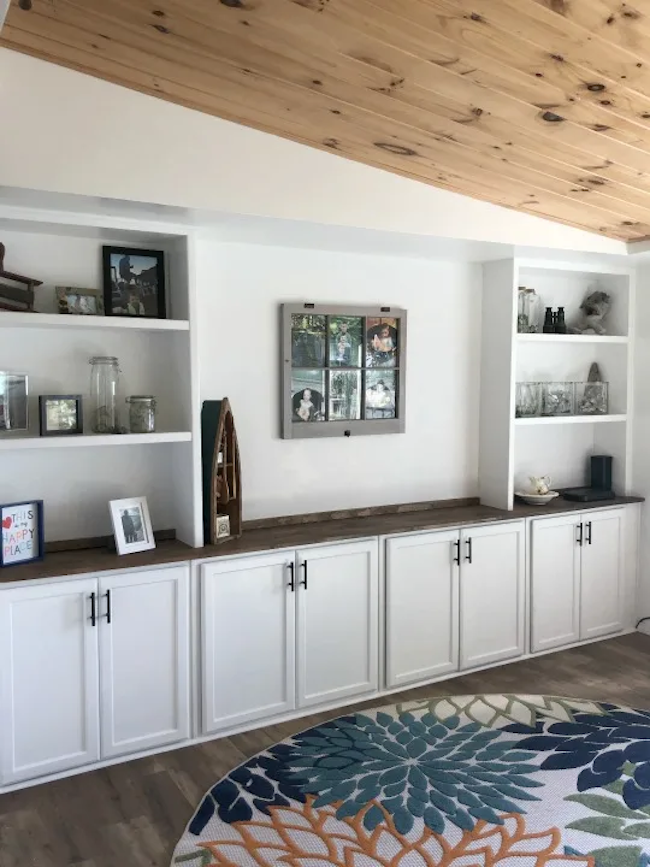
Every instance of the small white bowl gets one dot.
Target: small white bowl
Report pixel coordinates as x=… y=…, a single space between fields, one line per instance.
x=534 y=499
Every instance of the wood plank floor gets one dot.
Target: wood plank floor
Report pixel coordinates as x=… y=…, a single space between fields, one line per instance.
x=131 y=815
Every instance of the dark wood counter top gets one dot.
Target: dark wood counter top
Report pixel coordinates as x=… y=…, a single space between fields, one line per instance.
x=298 y=531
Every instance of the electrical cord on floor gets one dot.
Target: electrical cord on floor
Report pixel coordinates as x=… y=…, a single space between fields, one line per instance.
x=643 y=619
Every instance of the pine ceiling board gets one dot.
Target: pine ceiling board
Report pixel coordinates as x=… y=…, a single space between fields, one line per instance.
x=434 y=155
x=430 y=90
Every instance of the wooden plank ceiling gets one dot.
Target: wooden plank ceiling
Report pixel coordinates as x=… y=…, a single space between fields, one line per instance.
x=538 y=105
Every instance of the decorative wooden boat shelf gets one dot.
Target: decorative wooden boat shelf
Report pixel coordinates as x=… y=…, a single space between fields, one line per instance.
x=221 y=472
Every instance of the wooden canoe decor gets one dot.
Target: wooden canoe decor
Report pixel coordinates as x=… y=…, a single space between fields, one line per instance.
x=222 y=497
x=16 y=297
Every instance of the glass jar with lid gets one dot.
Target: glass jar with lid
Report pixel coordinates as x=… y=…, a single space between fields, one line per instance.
x=104 y=388
x=142 y=413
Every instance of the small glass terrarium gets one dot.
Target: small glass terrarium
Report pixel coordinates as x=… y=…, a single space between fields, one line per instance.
x=528 y=402
x=592 y=398
x=558 y=398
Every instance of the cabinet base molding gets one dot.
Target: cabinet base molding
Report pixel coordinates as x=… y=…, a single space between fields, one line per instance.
x=301 y=713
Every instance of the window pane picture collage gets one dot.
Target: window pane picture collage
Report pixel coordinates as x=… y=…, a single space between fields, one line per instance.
x=343 y=368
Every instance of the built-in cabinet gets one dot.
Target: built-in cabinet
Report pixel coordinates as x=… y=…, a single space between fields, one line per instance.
x=96 y=667
x=298 y=628
x=577 y=577
x=453 y=600
x=91 y=669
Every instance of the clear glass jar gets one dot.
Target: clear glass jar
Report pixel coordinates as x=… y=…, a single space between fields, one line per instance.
x=142 y=413
x=104 y=386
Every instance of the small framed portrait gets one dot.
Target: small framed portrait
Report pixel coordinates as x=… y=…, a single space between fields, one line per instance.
x=60 y=415
x=80 y=302
x=308 y=395
x=132 y=525
x=22 y=533
x=346 y=341
x=308 y=340
x=134 y=282
x=223 y=526
x=381 y=342
x=14 y=400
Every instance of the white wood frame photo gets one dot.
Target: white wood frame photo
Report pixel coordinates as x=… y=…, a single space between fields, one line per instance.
x=122 y=543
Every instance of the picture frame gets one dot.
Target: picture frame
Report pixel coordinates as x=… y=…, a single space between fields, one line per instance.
x=14 y=402
x=80 y=302
x=23 y=538
x=343 y=370
x=132 y=525
x=134 y=282
x=60 y=415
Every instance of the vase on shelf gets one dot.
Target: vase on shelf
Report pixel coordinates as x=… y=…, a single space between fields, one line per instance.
x=558 y=398
x=528 y=311
x=592 y=398
x=528 y=400
x=104 y=388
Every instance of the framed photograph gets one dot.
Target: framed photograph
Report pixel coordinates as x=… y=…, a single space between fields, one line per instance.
x=134 y=282
x=14 y=400
x=60 y=415
x=132 y=525
x=343 y=367
x=22 y=533
x=80 y=302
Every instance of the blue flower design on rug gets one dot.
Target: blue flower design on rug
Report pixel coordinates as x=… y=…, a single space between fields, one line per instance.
x=595 y=742
x=465 y=779
x=415 y=768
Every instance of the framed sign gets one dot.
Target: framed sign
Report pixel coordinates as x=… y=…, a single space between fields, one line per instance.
x=343 y=370
x=22 y=533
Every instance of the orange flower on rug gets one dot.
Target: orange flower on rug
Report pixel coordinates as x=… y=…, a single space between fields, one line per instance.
x=302 y=835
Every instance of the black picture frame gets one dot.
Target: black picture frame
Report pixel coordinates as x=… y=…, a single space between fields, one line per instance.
x=43 y=401
x=6 y=510
x=126 y=298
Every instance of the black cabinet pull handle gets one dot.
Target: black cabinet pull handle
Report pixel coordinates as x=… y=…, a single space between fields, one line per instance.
x=468 y=554
x=579 y=539
x=108 y=606
x=456 y=557
x=292 y=579
x=93 y=609
x=304 y=568
x=588 y=532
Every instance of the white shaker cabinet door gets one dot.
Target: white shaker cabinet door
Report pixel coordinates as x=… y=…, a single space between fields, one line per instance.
x=421 y=607
x=144 y=659
x=492 y=588
x=602 y=573
x=338 y=613
x=248 y=612
x=555 y=581
x=49 y=702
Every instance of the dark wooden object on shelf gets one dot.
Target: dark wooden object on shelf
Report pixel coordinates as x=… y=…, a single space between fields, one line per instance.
x=16 y=297
x=221 y=471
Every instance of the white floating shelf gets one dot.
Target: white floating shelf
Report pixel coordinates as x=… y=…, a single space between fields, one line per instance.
x=16 y=319
x=571 y=338
x=93 y=440
x=570 y=419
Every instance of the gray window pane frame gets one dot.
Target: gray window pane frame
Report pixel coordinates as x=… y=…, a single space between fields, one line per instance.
x=361 y=427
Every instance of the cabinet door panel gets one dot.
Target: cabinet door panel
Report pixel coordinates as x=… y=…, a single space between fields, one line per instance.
x=602 y=573
x=492 y=587
x=555 y=581
x=421 y=607
x=248 y=640
x=49 y=703
x=338 y=622
x=144 y=659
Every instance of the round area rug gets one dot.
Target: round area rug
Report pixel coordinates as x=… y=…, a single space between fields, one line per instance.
x=463 y=781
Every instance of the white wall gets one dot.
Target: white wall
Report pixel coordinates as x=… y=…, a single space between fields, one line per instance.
x=94 y=138
x=240 y=290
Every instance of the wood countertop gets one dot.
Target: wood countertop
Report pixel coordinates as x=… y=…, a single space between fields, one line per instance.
x=297 y=532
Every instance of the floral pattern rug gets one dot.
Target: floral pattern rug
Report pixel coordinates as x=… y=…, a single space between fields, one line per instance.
x=464 y=781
